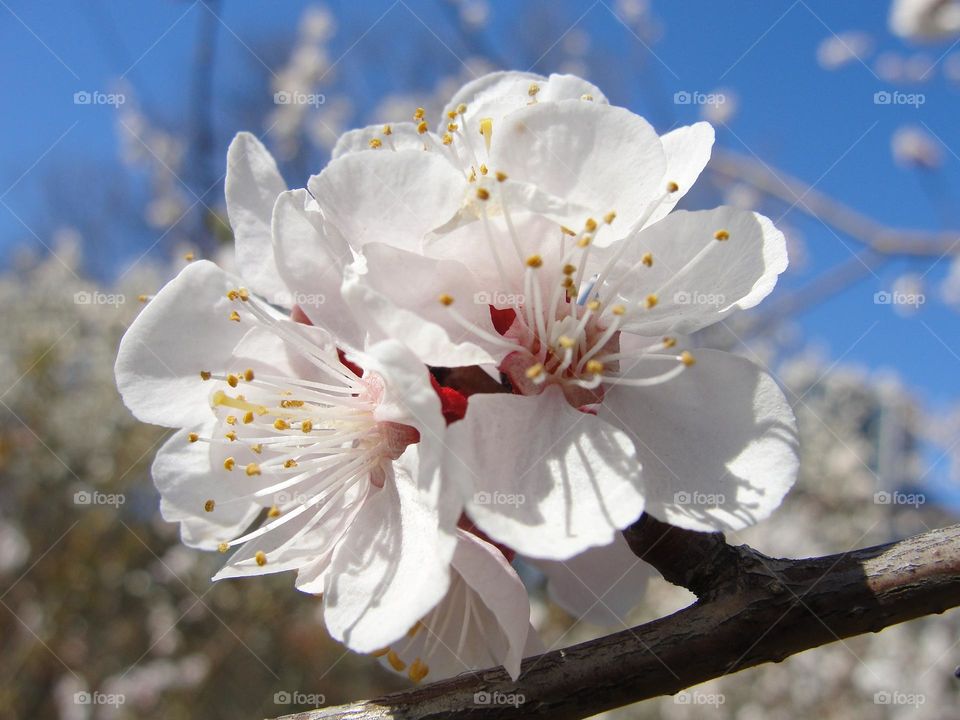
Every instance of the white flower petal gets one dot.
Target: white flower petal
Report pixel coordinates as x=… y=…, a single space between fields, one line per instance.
x=688 y=152
x=391 y=568
x=311 y=257
x=718 y=443
x=252 y=185
x=600 y=585
x=597 y=156
x=186 y=479
x=392 y=197
x=696 y=290
x=405 y=306
x=541 y=477
x=183 y=330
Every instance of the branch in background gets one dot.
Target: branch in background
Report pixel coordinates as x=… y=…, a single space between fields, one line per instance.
x=751 y=610
x=821 y=206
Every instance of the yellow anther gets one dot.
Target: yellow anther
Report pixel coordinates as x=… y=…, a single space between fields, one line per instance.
x=652 y=301
x=452 y=114
x=290 y=463
x=231 y=436
x=252 y=469
x=584 y=241
x=446 y=299
x=248 y=417
x=231 y=419
x=669 y=342
x=395 y=662
x=142 y=298
x=533 y=89
x=590 y=224
x=193 y=437
x=610 y=217
x=422 y=127
x=381 y=652
x=647 y=259
x=483 y=194
x=291 y=403
x=534 y=261
x=535 y=371
x=473 y=175
x=387 y=130
x=567 y=282
x=258 y=448
x=222 y=548
x=569 y=269
x=418 y=670
x=483 y=169
x=248 y=375
x=587 y=96
x=486 y=129
x=594 y=367
x=687 y=359
x=419 y=114
x=672 y=187
x=452 y=127
x=618 y=310
x=567 y=231
x=721 y=235
x=281 y=424
x=244 y=294
x=233 y=295
x=232 y=380
x=566 y=342
x=375 y=143
x=205 y=375
x=235 y=316
x=261 y=558
x=461 y=109
x=273 y=512
x=209 y=505
x=593 y=305
x=229 y=464
x=414 y=629
x=188 y=256
x=306 y=426
x=447 y=139
x=501 y=176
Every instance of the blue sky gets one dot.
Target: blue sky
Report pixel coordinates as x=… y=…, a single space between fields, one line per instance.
x=816 y=125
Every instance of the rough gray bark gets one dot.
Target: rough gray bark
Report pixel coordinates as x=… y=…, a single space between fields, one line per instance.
x=751 y=609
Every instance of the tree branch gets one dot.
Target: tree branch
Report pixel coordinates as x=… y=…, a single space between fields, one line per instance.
x=751 y=609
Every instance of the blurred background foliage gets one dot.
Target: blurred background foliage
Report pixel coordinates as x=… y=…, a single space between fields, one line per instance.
x=98 y=595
